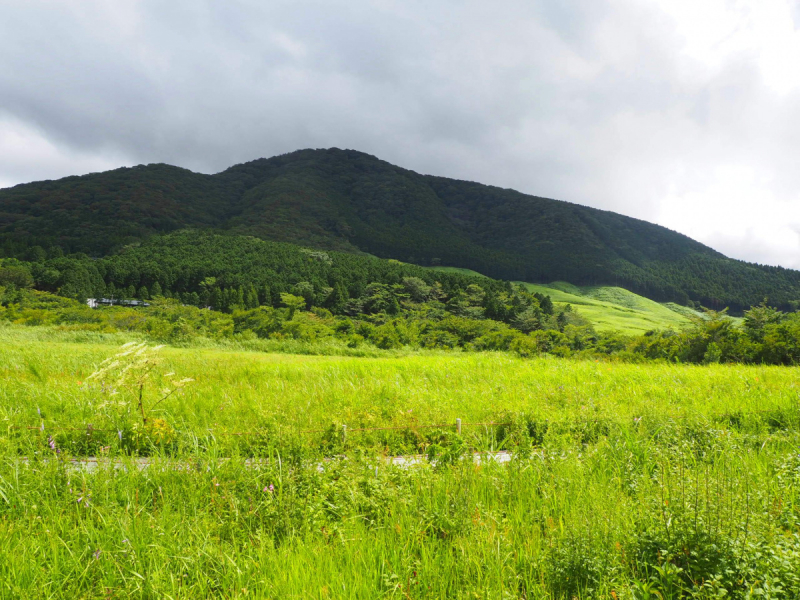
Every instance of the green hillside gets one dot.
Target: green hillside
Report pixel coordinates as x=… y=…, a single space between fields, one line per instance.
x=607 y=308
x=613 y=308
x=350 y=201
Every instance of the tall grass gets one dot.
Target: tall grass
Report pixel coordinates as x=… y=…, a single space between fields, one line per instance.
x=238 y=392
x=627 y=515
x=627 y=481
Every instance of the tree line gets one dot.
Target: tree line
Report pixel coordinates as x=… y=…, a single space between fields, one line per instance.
x=229 y=273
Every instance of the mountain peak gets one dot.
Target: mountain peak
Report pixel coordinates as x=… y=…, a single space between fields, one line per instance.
x=344 y=199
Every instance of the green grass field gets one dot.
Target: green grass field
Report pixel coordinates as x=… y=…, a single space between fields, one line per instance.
x=628 y=481
x=251 y=390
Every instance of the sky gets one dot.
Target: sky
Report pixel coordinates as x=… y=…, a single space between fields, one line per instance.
x=678 y=112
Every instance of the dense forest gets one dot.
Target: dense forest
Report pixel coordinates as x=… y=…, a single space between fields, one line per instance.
x=416 y=312
x=232 y=272
x=342 y=200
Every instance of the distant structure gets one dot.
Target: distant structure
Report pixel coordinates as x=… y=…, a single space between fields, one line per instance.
x=98 y=302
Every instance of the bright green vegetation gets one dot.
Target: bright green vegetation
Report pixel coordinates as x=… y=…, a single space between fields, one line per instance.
x=613 y=308
x=292 y=373
x=349 y=201
x=261 y=390
x=227 y=272
x=627 y=481
x=621 y=515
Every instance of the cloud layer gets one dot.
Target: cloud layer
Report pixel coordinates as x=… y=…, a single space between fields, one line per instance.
x=677 y=112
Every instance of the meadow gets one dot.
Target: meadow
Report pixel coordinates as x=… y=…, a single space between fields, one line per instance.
x=626 y=480
x=607 y=308
x=610 y=308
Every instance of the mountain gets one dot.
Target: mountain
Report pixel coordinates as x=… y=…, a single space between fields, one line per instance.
x=350 y=201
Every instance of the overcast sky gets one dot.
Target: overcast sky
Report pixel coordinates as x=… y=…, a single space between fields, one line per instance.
x=685 y=113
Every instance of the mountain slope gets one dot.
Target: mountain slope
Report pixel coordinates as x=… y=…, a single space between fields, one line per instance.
x=348 y=200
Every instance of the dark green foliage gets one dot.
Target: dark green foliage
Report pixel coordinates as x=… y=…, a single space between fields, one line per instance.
x=305 y=295
x=227 y=272
x=16 y=276
x=346 y=200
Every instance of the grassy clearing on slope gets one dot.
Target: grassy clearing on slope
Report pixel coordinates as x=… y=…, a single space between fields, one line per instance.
x=458 y=270
x=610 y=308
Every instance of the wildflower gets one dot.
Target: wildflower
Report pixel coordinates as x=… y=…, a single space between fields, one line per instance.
x=51 y=442
x=79 y=500
x=39 y=411
x=119 y=434
x=271 y=488
x=96 y=554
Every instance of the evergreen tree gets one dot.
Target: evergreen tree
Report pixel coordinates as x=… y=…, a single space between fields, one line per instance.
x=251 y=297
x=216 y=299
x=238 y=299
x=266 y=295
x=337 y=298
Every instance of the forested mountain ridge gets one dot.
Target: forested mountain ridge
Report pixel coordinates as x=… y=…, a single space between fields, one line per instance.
x=347 y=200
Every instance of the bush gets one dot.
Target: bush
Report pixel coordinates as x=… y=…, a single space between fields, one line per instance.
x=16 y=276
